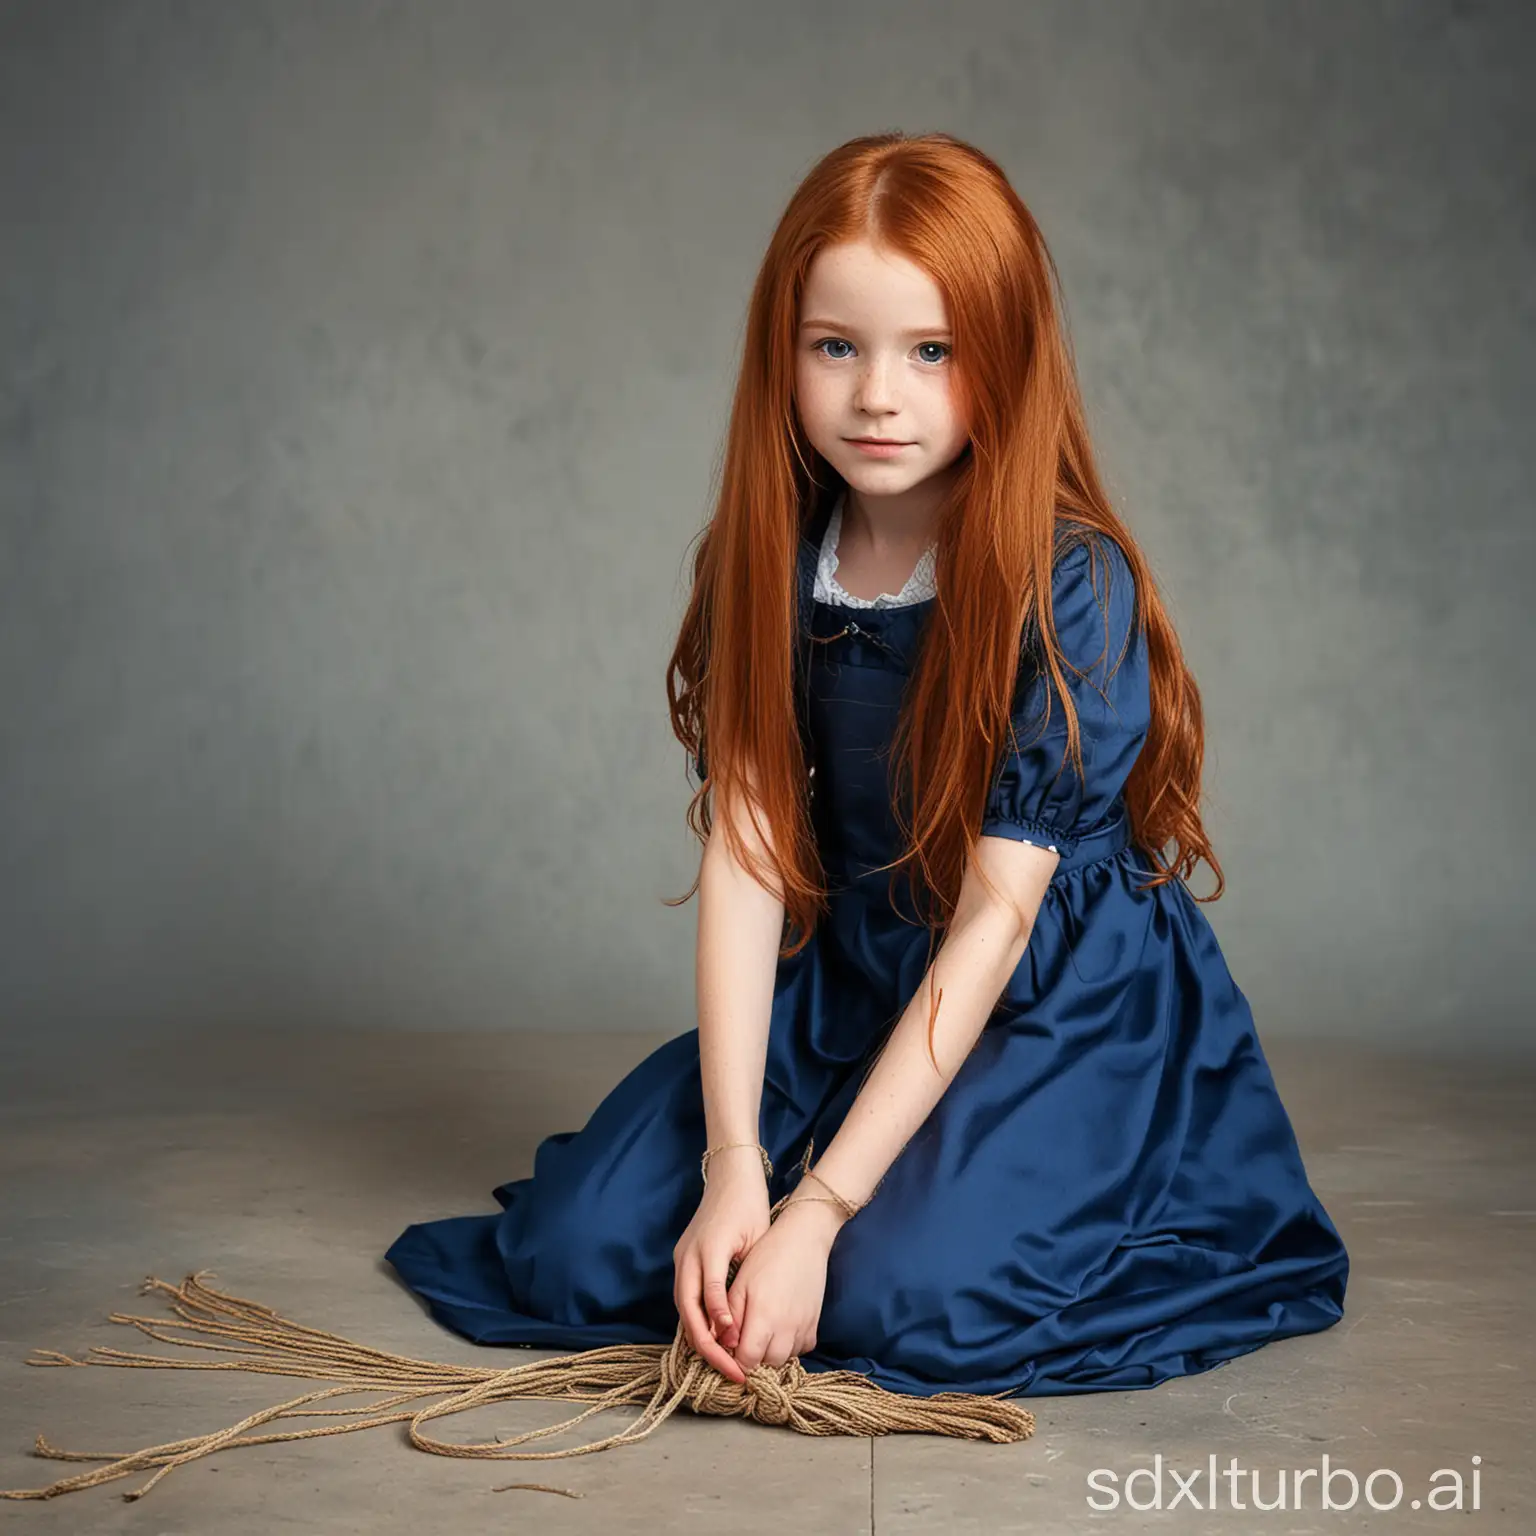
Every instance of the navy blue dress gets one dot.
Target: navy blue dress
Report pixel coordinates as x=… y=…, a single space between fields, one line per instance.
x=1108 y=1194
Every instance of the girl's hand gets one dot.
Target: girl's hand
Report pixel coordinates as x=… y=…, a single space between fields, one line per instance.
x=778 y=1291
x=732 y=1216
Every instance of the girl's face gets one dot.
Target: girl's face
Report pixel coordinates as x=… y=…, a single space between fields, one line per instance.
x=873 y=361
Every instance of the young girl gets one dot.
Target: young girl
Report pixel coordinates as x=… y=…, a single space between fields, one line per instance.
x=949 y=736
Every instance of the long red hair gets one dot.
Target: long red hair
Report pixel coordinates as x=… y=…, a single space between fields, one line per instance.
x=949 y=208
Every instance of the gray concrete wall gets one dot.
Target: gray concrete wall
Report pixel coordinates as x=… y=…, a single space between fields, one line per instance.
x=364 y=370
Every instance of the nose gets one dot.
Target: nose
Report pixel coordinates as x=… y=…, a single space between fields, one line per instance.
x=876 y=393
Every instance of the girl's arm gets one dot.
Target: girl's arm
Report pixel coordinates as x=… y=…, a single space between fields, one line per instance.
x=986 y=939
x=740 y=928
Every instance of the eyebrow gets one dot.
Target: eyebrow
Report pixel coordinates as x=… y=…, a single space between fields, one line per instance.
x=834 y=325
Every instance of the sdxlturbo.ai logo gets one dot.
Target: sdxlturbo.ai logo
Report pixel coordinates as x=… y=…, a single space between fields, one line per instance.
x=1336 y=1488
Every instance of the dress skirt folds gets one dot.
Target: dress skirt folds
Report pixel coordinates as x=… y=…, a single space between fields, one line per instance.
x=1108 y=1194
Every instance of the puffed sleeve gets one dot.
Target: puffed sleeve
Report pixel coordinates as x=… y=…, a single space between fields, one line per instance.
x=1093 y=600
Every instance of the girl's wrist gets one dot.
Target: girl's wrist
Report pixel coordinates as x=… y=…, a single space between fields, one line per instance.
x=829 y=1221
x=737 y=1159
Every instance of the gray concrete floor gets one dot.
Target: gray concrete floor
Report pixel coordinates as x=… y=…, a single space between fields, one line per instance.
x=289 y=1164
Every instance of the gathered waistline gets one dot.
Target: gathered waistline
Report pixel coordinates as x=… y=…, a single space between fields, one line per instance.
x=1101 y=843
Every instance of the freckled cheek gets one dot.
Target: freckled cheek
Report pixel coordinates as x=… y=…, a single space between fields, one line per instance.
x=820 y=404
x=946 y=412
x=934 y=410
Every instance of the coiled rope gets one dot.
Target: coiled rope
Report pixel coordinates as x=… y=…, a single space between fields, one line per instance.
x=661 y=1377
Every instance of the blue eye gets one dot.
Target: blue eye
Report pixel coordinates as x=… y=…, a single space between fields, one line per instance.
x=837 y=341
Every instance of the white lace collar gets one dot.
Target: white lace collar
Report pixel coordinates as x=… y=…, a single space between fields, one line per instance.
x=920 y=585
